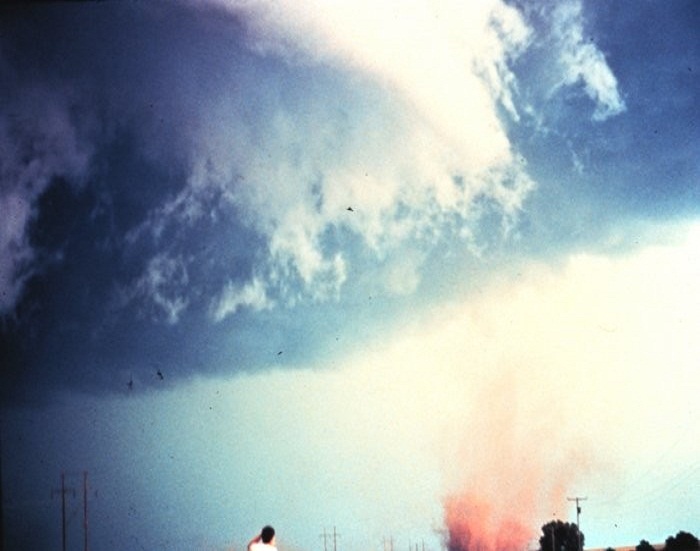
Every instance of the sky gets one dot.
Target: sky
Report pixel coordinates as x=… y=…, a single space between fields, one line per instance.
x=388 y=276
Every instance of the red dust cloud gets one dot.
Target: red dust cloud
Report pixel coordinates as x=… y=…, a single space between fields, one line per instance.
x=517 y=464
x=472 y=525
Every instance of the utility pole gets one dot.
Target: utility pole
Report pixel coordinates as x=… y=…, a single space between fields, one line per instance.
x=326 y=536
x=63 y=491
x=578 y=514
x=85 y=511
x=2 y=515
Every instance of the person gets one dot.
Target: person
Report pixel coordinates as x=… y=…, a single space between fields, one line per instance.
x=264 y=541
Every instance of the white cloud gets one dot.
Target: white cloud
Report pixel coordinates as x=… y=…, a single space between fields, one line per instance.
x=251 y=295
x=161 y=288
x=15 y=252
x=413 y=140
x=446 y=61
x=39 y=141
x=402 y=275
x=582 y=61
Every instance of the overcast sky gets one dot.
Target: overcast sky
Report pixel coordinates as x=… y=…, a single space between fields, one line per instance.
x=399 y=269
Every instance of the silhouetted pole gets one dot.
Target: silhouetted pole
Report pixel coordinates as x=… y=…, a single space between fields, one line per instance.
x=2 y=515
x=63 y=491
x=325 y=539
x=578 y=514
x=85 y=510
x=63 y=511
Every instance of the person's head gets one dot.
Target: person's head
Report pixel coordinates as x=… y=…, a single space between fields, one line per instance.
x=267 y=534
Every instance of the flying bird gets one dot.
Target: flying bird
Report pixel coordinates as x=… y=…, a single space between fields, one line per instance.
x=160 y=374
x=350 y=209
x=130 y=384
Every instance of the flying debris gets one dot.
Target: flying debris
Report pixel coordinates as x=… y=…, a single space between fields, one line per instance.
x=279 y=353
x=130 y=384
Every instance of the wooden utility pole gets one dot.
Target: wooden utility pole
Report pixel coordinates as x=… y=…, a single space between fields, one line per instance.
x=2 y=516
x=63 y=491
x=327 y=536
x=85 y=511
x=578 y=514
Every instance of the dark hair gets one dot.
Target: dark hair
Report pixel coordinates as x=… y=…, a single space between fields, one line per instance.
x=267 y=534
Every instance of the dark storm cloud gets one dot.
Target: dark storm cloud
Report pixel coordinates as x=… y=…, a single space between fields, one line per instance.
x=65 y=98
x=95 y=130
x=129 y=246
x=172 y=194
x=39 y=140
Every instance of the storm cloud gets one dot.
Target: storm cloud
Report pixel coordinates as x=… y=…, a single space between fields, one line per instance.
x=402 y=265
x=190 y=171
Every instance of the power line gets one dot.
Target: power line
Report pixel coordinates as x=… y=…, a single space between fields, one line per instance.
x=658 y=491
